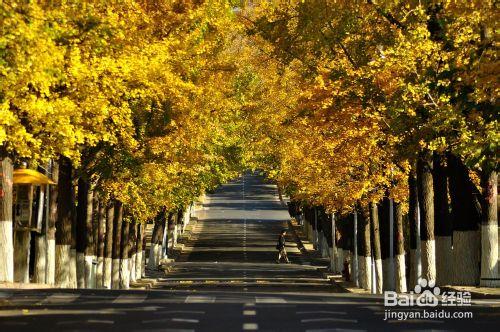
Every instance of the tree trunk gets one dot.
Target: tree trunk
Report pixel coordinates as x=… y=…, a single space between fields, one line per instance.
x=132 y=255
x=22 y=235
x=124 y=250
x=377 y=248
x=489 y=230
x=139 y=256
x=117 y=236
x=364 y=248
x=89 y=241
x=443 y=227
x=156 y=241
x=426 y=202
x=414 y=231
x=81 y=231
x=387 y=259
x=466 y=216
x=143 y=261
x=399 y=245
x=101 y=242
x=22 y=240
x=340 y=243
x=64 y=224
x=51 y=225
x=108 y=249
x=73 y=275
x=6 y=239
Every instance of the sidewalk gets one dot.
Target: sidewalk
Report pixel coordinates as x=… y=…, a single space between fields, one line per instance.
x=21 y=285
x=152 y=276
x=306 y=247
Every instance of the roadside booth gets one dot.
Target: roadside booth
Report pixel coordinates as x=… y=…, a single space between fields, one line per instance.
x=29 y=204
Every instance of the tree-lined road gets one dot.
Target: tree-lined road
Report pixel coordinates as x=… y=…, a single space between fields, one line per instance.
x=226 y=279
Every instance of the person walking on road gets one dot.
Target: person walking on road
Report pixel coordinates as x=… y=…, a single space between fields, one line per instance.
x=281 y=247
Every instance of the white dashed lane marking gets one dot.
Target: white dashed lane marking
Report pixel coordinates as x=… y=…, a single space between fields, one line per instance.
x=270 y=300
x=60 y=298
x=130 y=298
x=199 y=299
x=185 y=320
x=249 y=313
x=250 y=327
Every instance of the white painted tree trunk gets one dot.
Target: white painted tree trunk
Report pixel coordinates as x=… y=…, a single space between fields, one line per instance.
x=365 y=272
x=132 y=268
x=115 y=276
x=108 y=271
x=80 y=269
x=153 y=256
x=73 y=280
x=89 y=272
x=51 y=260
x=21 y=256
x=40 y=272
x=429 y=260
x=444 y=260
x=340 y=259
x=6 y=239
x=143 y=264
x=62 y=273
x=400 y=274
x=6 y=251
x=124 y=274
x=379 y=275
x=489 y=230
x=414 y=273
x=99 y=276
x=466 y=255
x=138 y=264
x=489 y=258
x=325 y=252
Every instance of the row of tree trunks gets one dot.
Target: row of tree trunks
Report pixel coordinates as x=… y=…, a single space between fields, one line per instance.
x=73 y=236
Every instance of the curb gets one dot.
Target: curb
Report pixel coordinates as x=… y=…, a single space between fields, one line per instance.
x=474 y=294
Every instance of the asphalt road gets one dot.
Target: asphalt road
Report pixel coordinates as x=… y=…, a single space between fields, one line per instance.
x=226 y=279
